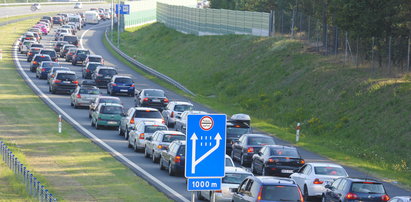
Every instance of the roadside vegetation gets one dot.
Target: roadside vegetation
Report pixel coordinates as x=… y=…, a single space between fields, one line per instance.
x=349 y=114
x=71 y=166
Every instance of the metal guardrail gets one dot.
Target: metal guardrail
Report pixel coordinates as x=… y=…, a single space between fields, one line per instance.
x=148 y=69
x=51 y=3
x=33 y=186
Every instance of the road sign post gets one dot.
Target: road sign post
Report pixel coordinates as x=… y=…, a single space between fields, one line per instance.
x=205 y=152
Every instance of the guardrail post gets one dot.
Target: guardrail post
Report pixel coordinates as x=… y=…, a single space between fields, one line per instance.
x=46 y=195
x=42 y=193
x=31 y=184
x=34 y=186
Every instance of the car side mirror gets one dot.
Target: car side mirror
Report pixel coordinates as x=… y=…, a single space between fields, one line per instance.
x=327 y=186
x=148 y=138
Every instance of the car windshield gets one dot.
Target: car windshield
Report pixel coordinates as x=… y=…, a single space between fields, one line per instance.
x=111 y=110
x=280 y=193
x=153 y=128
x=235 y=178
x=47 y=52
x=35 y=51
x=68 y=77
x=124 y=80
x=107 y=71
x=148 y=114
x=323 y=170
x=42 y=58
x=109 y=100
x=154 y=93
x=260 y=141
x=70 y=38
x=172 y=137
x=236 y=132
x=368 y=187
x=284 y=152
x=94 y=59
x=85 y=52
x=92 y=91
x=50 y=64
x=183 y=108
x=36 y=45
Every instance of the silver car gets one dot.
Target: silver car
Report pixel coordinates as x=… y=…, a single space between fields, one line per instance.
x=173 y=110
x=181 y=121
x=143 y=130
x=83 y=96
x=233 y=177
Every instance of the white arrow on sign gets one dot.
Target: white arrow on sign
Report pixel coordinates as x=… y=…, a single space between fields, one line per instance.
x=194 y=162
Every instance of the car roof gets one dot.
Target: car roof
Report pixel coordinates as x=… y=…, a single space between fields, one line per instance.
x=171 y=132
x=111 y=104
x=196 y=112
x=94 y=63
x=280 y=146
x=256 y=135
x=122 y=76
x=152 y=89
x=65 y=71
x=145 y=108
x=355 y=179
x=95 y=56
x=236 y=170
x=150 y=123
x=324 y=164
x=79 y=49
x=105 y=67
x=39 y=55
x=181 y=103
x=270 y=180
x=48 y=50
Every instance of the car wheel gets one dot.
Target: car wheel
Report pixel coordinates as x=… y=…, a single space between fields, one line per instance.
x=242 y=162
x=232 y=155
x=126 y=135
x=146 y=154
x=171 y=172
x=264 y=171
x=252 y=167
x=129 y=145
x=71 y=104
x=75 y=106
x=153 y=158
x=120 y=132
x=199 y=196
x=111 y=93
x=97 y=126
x=135 y=146
x=92 y=123
x=161 y=164
x=306 y=196
x=89 y=115
x=53 y=91
x=323 y=199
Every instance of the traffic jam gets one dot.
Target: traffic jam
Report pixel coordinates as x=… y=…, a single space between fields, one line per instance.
x=257 y=168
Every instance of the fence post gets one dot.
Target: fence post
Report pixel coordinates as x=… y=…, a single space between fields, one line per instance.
x=408 y=55
x=357 y=54
x=309 y=28
x=389 y=55
x=270 y=24
x=372 y=55
x=346 y=48
x=292 y=24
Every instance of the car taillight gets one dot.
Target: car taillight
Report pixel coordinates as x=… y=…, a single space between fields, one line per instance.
x=75 y=82
x=260 y=194
x=172 y=114
x=145 y=99
x=317 y=181
x=141 y=136
x=78 y=96
x=56 y=60
x=30 y=53
x=272 y=160
x=302 y=161
x=351 y=196
x=35 y=62
x=160 y=146
x=250 y=150
x=165 y=100
x=132 y=85
x=43 y=70
x=114 y=84
x=163 y=121
x=132 y=121
x=177 y=159
x=57 y=81
x=385 y=197
x=87 y=70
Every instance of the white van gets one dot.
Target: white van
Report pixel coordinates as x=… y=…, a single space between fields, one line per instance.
x=91 y=17
x=76 y=19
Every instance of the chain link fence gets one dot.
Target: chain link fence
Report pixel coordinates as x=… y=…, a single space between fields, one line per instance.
x=33 y=186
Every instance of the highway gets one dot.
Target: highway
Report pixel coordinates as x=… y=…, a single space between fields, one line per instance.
x=174 y=187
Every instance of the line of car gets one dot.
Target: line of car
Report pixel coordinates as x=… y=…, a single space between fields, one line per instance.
x=285 y=176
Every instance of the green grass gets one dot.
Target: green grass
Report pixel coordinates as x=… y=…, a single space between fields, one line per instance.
x=349 y=114
x=4 y=19
x=71 y=166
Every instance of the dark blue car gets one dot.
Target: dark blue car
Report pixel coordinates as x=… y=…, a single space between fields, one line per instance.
x=121 y=85
x=44 y=68
x=173 y=159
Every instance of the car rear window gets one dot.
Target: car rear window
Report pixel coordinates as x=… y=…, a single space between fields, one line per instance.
x=94 y=59
x=36 y=46
x=235 y=178
x=172 y=137
x=182 y=108
x=236 y=132
x=92 y=91
x=284 y=152
x=74 y=20
x=368 y=187
x=86 y=52
x=107 y=72
x=108 y=100
x=124 y=80
x=111 y=110
x=154 y=93
x=50 y=64
x=260 y=141
x=67 y=77
x=280 y=193
x=57 y=69
x=154 y=128
x=92 y=66
x=47 y=52
x=70 y=38
x=323 y=170
x=42 y=58
x=26 y=43
x=68 y=47
x=148 y=114
x=35 y=51
x=182 y=150
x=56 y=18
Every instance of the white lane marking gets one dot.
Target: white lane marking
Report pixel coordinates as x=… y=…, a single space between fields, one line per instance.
x=94 y=27
x=112 y=150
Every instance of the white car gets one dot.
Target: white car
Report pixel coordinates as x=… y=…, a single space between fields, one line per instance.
x=144 y=129
x=78 y=5
x=136 y=115
x=233 y=177
x=173 y=110
x=401 y=199
x=312 y=177
x=181 y=121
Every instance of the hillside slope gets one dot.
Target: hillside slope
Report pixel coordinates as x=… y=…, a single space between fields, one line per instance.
x=349 y=114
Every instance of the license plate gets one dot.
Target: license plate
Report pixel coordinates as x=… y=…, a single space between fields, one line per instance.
x=286 y=171
x=107 y=77
x=155 y=100
x=123 y=90
x=66 y=81
x=112 y=122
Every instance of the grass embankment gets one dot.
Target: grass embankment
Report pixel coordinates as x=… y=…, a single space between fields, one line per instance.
x=68 y=164
x=348 y=114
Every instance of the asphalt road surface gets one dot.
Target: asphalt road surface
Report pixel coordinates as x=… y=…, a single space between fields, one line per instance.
x=92 y=39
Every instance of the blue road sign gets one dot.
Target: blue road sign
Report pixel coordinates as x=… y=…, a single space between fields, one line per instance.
x=205 y=150
x=203 y=184
x=124 y=9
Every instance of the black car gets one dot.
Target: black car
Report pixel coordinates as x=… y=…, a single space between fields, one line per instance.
x=276 y=160
x=154 y=98
x=89 y=69
x=51 y=53
x=32 y=52
x=58 y=20
x=355 y=189
x=237 y=125
x=71 y=39
x=173 y=159
x=69 y=55
x=248 y=145
x=79 y=56
x=65 y=49
x=64 y=81
x=102 y=75
x=44 y=69
x=59 y=45
x=37 y=59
